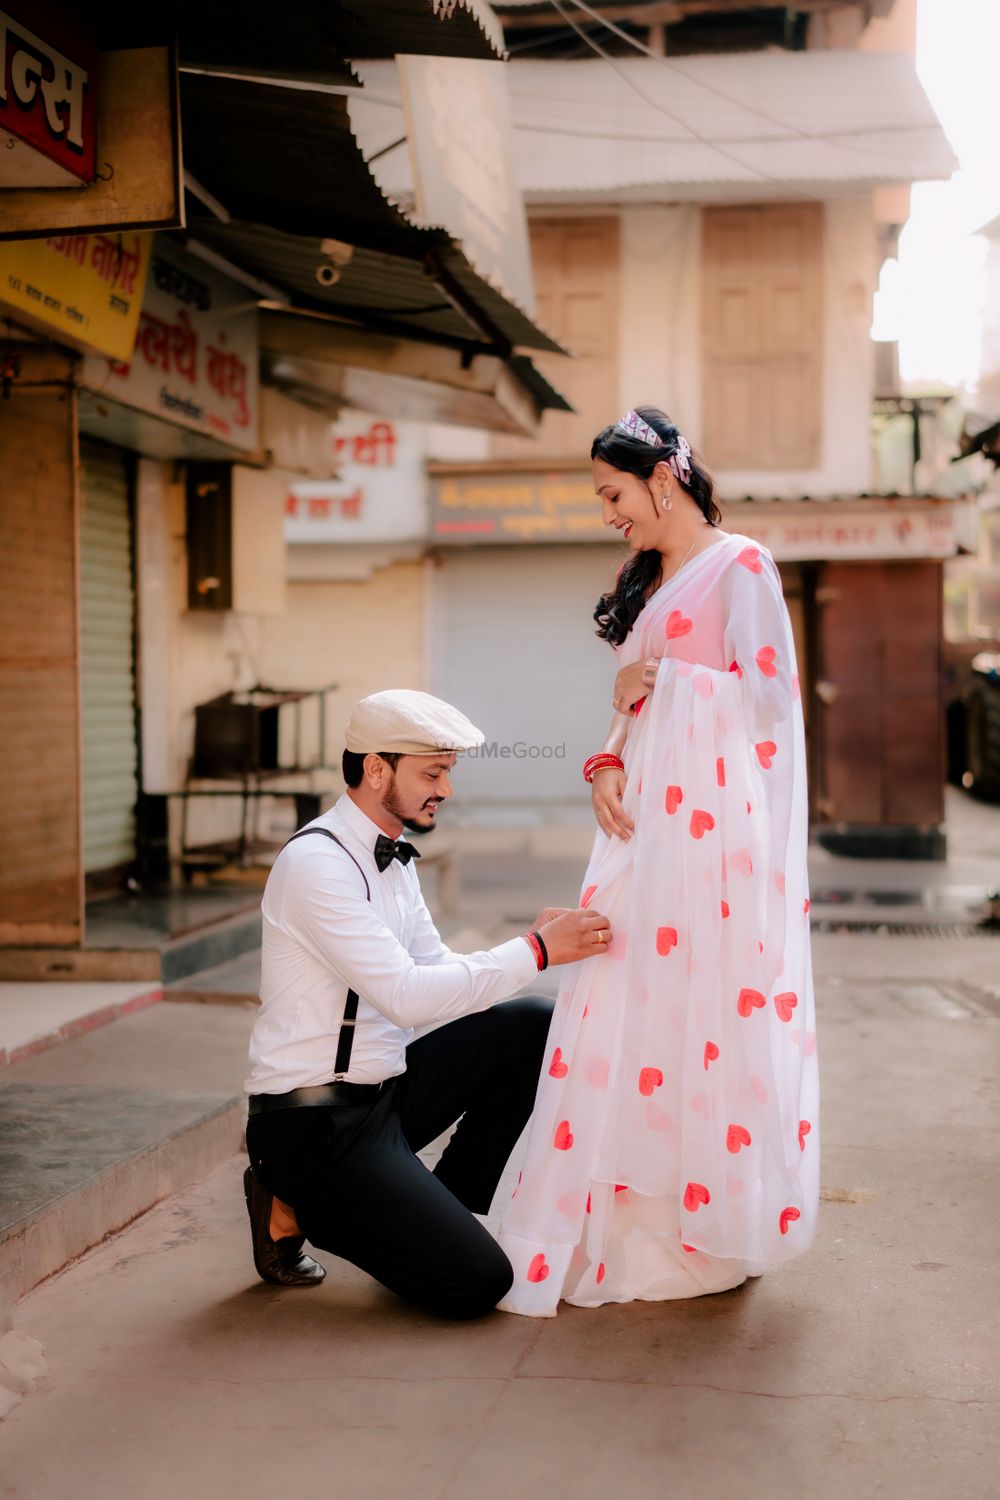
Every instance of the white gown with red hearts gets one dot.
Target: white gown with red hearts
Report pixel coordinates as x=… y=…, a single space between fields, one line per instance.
x=674 y=1147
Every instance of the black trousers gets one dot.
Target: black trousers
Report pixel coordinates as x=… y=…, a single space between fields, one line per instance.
x=352 y=1176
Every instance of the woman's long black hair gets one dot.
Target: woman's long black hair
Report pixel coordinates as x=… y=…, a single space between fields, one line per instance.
x=616 y=611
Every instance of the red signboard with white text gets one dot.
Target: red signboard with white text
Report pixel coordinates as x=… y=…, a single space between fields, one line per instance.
x=48 y=94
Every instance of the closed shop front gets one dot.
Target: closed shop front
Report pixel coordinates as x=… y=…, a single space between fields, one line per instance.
x=107 y=616
x=514 y=648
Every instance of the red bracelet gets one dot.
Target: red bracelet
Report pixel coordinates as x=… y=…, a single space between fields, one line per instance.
x=602 y=762
x=534 y=944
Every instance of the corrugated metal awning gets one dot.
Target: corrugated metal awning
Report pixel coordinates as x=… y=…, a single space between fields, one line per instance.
x=285 y=164
x=302 y=39
x=701 y=128
x=326 y=363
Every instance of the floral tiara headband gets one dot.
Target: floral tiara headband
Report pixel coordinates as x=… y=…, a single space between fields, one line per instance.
x=679 y=461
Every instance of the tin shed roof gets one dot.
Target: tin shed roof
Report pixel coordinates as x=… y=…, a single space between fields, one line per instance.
x=709 y=127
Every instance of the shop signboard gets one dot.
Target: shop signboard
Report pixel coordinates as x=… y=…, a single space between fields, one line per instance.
x=520 y=505
x=379 y=494
x=136 y=181
x=48 y=97
x=196 y=352
x=87 y=288
x=515 y=506
x=851 y=531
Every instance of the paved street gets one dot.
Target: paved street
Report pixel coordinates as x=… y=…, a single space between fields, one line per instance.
x=867 y=1367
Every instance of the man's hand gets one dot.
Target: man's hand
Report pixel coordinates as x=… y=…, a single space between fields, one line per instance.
x=575 y=935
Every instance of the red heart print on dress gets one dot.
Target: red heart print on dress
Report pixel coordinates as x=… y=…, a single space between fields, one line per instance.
x=666 y=938
x=736 y=1137
x=558 y=1068
x=711 y=1054
x=796 y=688
x=765 y=660
x=678 y=625
x=564 y=1137
x=788 y=1216
x=695 y=1194
x=702 y=822
x=750 y=558
x=674 y=799
x=538 y=1270
x=588 y=1203
x=740 y=860
x=804 y=1129
x=700 y=1105
x=766 y=752
x=805 y=906
x=749 y=1001
x=785 y=1004
x=725 y=910
x=720 y=771
x=649 y=1079
x=691 y=1249
x=600 y=1273
x=588 y=895
x=734 y=666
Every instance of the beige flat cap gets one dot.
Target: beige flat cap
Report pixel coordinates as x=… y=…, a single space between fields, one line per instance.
x=406 y=722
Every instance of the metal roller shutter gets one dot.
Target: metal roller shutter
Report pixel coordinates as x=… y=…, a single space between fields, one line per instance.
x=514 y=648
x=107 y=609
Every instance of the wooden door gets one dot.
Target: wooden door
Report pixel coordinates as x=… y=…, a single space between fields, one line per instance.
x=575 y=263
x=762 y=336
x=877 y=707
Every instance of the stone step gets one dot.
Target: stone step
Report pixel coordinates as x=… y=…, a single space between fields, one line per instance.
x=96 y=1131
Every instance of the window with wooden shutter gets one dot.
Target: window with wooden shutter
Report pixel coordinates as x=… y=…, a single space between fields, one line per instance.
x=575 y=263
x=762 y=337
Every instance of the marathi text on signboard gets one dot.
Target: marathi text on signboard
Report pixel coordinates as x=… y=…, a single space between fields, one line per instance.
x=195 y=357
x=138 y=180
x=516 y=507
x=532 y=506
x=48 y=97
x=379 y=494
x=87 y=287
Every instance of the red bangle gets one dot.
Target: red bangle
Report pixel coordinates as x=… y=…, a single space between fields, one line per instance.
x=534 y=943
x=602 y=762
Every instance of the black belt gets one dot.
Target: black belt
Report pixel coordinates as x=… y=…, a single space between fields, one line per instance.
x=322 y=1094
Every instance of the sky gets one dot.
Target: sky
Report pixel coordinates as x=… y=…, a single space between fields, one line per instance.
x=941 y=282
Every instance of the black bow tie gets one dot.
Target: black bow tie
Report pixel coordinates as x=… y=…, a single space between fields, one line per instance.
x=386 y=850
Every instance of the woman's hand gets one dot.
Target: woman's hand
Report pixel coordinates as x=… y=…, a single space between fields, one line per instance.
x=606 y=792
x=549 y=915
x=631 y=684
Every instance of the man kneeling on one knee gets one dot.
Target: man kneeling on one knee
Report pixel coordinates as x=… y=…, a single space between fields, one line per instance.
x=341 y=1096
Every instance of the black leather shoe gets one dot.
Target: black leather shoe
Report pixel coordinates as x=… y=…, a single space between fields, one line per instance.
x=281 y=1262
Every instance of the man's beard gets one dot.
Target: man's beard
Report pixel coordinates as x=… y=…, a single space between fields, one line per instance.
x=394 y=806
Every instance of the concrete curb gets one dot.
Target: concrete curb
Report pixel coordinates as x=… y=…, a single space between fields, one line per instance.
x=79 y=1025
x=51 y=1237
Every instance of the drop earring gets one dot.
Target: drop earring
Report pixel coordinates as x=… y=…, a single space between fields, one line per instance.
x=667 y=501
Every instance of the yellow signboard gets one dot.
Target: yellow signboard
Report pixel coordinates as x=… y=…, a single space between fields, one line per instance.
x=86 y=287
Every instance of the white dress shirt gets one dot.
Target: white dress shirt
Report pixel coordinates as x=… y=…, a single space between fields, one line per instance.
x=322 y=937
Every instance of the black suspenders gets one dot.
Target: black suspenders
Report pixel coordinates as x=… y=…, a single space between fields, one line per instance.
x=345 y=1041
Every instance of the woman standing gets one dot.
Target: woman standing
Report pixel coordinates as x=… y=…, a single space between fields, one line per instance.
x=674 y=1147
